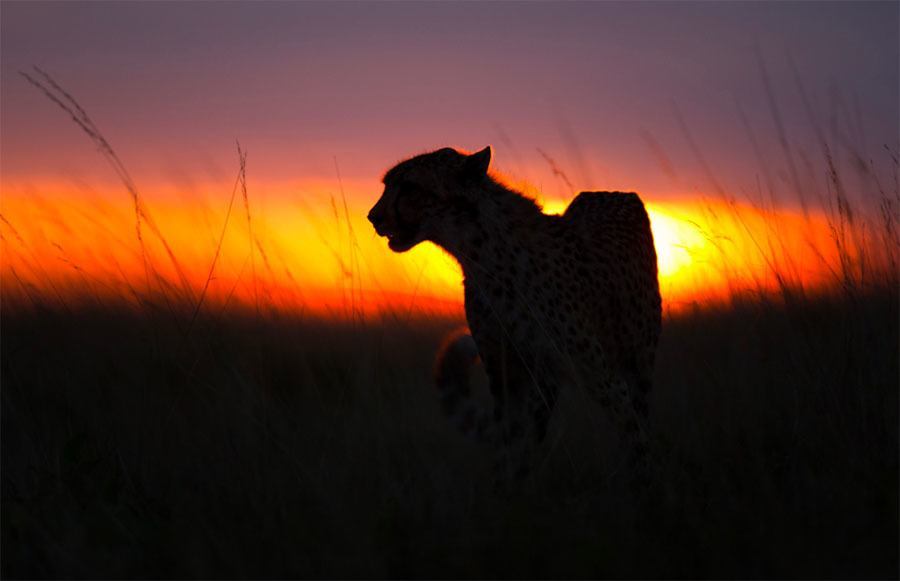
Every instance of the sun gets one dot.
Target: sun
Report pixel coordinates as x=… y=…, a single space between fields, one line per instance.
x=678 y=241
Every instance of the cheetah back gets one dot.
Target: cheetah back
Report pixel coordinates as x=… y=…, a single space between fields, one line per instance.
x=620 y=260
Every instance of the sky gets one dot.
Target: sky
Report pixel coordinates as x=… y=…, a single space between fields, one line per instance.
x=605 y=89
x=704 y=108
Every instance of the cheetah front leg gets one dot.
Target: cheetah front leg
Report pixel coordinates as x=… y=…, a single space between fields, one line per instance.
x=523 y=403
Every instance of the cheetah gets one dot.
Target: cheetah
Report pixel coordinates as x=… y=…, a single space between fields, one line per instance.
x=550 y=300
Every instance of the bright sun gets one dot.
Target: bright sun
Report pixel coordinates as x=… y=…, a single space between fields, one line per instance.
x=677 y=239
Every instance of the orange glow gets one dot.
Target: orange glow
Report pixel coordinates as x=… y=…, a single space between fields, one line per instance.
x=311 y=252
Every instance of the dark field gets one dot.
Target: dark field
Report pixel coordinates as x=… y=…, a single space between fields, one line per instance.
x=277 y=447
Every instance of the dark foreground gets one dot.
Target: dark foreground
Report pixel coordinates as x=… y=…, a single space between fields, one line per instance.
x=270 y=447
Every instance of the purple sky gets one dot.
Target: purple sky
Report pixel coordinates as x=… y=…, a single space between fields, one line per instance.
x=594 y=85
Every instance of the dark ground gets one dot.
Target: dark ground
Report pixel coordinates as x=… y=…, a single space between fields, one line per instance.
x=274 y=447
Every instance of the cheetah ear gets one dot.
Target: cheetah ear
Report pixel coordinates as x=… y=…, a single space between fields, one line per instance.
x=476 y=165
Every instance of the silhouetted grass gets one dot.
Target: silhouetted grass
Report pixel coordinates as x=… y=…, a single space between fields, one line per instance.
x=280 y=448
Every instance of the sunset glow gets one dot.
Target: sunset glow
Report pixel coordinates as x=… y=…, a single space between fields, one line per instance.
x=314 y=252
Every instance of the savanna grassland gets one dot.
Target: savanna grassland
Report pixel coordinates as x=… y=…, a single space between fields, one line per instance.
x=156 y=439
x=273 y=446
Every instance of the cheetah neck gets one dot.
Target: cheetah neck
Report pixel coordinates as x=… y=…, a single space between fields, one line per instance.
x=495 y=232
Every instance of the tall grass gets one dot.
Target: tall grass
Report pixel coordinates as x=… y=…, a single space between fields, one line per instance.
x=277 y=447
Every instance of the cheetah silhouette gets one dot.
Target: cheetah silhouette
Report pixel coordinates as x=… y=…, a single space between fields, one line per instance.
x=551 y=301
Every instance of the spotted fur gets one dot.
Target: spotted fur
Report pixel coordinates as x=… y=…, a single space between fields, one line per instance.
x=551 y=301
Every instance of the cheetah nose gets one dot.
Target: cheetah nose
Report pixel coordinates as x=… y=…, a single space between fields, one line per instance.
x=376 y=217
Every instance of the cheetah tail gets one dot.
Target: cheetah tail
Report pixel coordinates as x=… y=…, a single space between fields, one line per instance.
x=454 y=360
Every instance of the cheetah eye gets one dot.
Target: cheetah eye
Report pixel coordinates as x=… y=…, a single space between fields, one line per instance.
x=409 y=189
x=413 y=195
x=411 y=201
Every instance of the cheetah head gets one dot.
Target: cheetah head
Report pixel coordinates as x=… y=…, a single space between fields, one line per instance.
x=423 y=195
